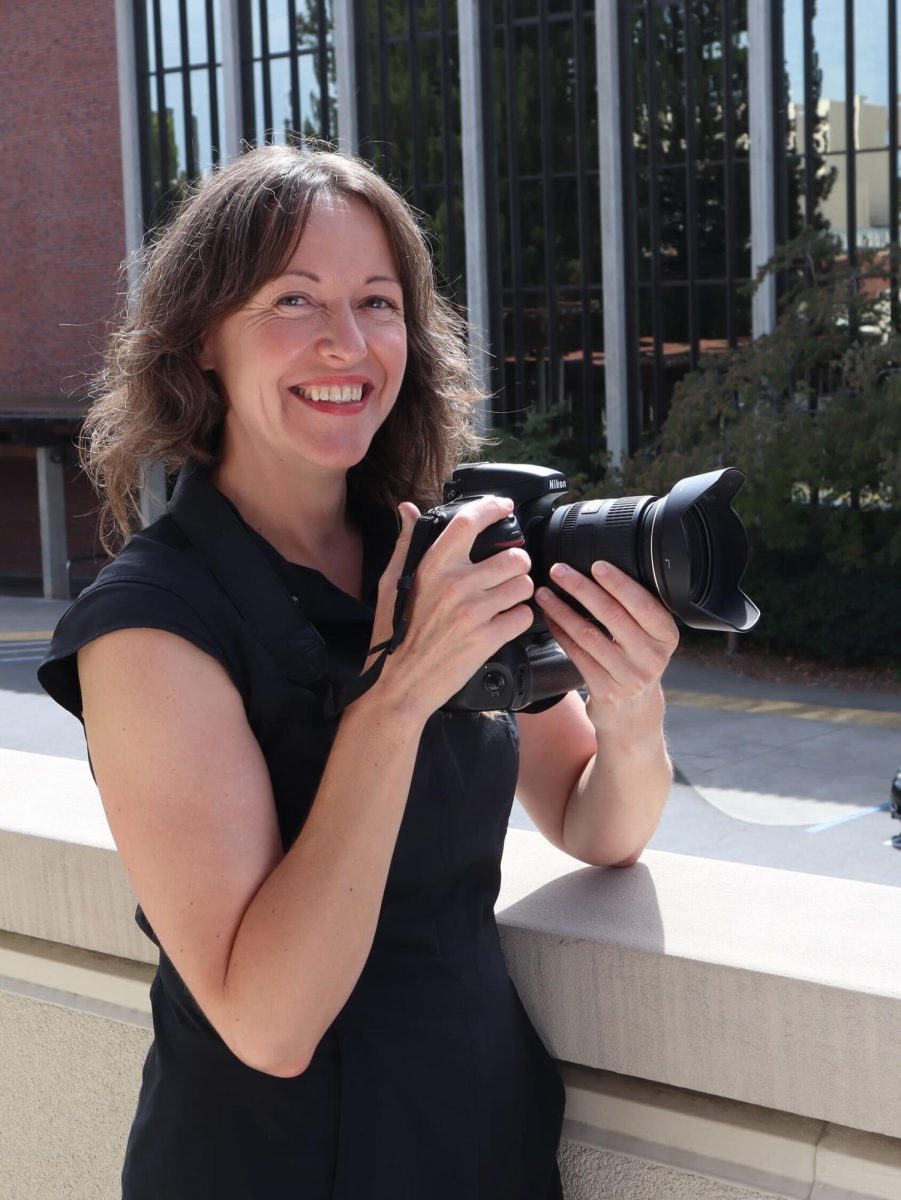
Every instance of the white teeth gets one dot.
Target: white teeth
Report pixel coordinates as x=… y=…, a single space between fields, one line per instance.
x=332 y=395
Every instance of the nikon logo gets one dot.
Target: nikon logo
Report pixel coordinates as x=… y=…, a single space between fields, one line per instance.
x=557 y=485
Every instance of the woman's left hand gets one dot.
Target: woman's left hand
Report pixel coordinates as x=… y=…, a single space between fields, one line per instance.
x=623 y=667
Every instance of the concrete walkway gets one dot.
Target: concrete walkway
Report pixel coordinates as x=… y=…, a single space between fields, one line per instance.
x=776 y=775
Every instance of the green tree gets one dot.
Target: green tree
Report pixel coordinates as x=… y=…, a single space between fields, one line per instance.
x=811 y=413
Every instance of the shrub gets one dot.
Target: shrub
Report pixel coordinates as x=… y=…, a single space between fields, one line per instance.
x=812 y=414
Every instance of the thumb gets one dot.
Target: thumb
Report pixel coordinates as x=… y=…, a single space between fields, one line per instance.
x=409 y=515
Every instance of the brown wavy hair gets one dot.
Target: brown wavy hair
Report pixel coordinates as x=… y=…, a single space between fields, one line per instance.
x=152 y=402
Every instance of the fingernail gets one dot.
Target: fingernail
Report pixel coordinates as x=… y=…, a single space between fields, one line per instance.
x=600 y=568
x=543 y=595
x=560 y=570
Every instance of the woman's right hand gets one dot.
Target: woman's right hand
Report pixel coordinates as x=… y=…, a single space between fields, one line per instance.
x=459 y=612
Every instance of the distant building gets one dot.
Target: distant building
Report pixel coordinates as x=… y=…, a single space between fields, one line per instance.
x=871 y=164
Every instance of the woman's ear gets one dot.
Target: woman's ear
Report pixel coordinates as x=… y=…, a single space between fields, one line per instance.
x=204 y=354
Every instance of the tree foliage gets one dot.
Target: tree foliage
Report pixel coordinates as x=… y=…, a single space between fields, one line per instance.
x=812 y=414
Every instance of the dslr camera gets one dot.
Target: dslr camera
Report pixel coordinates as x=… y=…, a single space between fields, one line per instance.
x=688 y=548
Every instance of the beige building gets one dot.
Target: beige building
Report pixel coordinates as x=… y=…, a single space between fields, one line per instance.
x=872 y=155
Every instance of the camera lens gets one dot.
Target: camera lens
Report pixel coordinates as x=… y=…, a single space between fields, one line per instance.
x=700 y=557
x=689 y=548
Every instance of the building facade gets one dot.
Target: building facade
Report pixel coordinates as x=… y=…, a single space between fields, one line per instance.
x=601 y=180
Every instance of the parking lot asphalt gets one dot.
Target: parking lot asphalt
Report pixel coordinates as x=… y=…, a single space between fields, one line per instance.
x=778 y=775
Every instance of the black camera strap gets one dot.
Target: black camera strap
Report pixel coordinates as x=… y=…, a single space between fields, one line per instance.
x=422 y=538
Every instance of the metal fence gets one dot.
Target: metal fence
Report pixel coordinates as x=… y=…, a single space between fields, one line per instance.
x=683 y=129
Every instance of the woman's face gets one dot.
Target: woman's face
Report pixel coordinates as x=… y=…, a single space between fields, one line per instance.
x=312 y=364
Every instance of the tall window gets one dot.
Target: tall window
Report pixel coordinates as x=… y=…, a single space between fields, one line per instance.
x=687 y=161
x=179 y=89
x=287 y=70
x=409 y=112
x=839 y=113
x=544 y=205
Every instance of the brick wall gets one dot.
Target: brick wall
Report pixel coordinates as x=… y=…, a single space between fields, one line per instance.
x=63 y=233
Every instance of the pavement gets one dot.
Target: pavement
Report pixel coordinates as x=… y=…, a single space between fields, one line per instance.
x=778 y=775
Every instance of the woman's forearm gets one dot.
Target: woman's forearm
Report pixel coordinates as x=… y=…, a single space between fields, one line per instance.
x=307 y=933
x=616 y=805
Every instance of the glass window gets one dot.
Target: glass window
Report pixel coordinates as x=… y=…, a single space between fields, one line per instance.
x=182 y=144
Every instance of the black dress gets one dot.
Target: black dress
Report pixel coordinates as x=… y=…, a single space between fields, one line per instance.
x=431 y=1083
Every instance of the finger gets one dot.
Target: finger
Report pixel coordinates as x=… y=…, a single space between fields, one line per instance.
x=599 y=603
x=409 y=515
x=593 y=646
x=590 y=669
x=456 y=540
x=510 y=624
x=507 y=564
x=644 y=607
x=512 y=591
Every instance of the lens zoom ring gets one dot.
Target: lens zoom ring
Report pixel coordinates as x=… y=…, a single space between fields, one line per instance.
x=565 y=543
x=619 y=534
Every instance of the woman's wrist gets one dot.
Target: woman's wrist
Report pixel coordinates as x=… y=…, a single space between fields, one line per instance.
x=392 y=698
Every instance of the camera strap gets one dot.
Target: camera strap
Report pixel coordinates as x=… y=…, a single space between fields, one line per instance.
x=422 y=538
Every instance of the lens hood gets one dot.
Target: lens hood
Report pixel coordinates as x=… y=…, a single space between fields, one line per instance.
x=698 y=550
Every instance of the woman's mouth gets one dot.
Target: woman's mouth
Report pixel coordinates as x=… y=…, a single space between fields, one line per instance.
x=343 y=394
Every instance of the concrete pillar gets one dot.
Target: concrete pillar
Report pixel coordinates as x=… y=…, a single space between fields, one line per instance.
x=230 y=114
x=346 y=72
x=761 y=123
x=52 y=513
x=132 y=192
x=129 y=134
x=153 y=493
x=472 y=130
x=613 y=242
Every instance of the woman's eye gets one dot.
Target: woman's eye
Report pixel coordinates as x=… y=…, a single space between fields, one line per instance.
x=293 y=301
x=381 y=303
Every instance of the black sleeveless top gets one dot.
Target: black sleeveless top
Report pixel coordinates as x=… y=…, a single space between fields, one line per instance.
x=431 y=1083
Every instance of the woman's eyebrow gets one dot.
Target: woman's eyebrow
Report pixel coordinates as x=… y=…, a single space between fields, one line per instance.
x=366 y=282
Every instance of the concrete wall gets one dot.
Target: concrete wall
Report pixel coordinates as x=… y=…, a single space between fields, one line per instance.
x=70 y=1085
x=723 y=1031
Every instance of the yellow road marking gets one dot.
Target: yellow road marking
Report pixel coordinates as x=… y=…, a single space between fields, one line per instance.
x=38 y=635
x=786 y=708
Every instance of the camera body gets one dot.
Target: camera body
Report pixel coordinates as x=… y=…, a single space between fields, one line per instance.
x=531 y=668
x=689 y=548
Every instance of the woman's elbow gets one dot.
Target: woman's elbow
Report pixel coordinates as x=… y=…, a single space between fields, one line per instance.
x=279 y=1066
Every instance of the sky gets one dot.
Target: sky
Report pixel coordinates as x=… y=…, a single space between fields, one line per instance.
x=870 y=57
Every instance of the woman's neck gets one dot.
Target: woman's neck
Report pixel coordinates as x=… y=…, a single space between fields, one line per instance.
x=304 y=518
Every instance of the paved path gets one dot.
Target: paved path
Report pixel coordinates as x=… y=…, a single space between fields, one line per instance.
x=779 y=775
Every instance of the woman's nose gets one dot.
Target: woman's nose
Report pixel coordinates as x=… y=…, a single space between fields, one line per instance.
x=342 y=336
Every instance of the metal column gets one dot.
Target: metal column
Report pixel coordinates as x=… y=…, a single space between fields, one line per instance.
x=761 y=127
x=52 y=512
x=616 y=346
x=232 y=116
x=346 y=73
x=477 y=255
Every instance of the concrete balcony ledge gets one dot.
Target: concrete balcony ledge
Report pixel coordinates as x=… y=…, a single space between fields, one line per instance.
x=770 y=987
x=724 y=1031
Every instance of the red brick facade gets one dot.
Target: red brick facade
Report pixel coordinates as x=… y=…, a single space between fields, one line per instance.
x=61 y=218
x=62 y=234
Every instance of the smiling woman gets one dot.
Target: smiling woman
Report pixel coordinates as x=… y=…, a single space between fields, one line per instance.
x=332 y=1014
x=233 y=251
x=291 y=363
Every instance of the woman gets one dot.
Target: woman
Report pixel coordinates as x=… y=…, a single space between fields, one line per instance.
x=332 y=1015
